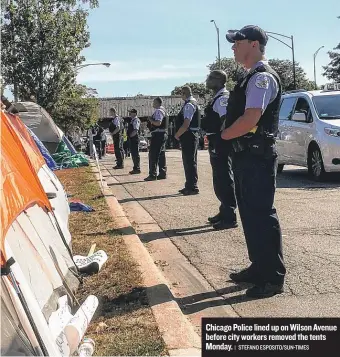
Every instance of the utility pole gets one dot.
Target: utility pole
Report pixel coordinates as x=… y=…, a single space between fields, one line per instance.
x=314 y=57
x=218 y=44
x=289 y=46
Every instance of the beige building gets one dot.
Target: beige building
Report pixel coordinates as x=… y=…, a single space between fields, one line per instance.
x=143 y=104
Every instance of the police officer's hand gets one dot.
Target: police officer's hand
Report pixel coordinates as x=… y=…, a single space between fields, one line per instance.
x=224 y=134
x=176 y=137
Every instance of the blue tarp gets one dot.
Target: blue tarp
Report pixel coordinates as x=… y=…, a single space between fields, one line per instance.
x=76 y=205
x=69 y=145
x=44 y=152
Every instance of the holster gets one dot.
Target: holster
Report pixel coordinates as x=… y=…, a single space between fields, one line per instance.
x=257 y=144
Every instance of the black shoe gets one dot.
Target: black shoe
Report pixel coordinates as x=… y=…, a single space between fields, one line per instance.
x=182 y=190
x=264 y=290
x=244 y=276
x=134 y=172
x=224 y=225
x=188 y=192
x=161 y=177
x=214 y=219
x=118 y=167
x=150 y=178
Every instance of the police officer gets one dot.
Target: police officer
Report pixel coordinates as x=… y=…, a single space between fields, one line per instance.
x=133 y=134
x=116 y=129
x=220 y=155
x=98 y=139
x=187 y=128
x=251 y=126
x=158 y=126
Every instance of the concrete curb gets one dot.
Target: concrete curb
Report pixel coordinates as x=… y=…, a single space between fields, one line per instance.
x=177 y=332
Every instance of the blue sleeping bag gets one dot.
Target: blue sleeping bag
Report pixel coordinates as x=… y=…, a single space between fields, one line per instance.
x=44 y=152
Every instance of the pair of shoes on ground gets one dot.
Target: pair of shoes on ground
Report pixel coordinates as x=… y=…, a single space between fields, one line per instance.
x=260 y=289
x=154 y=178
x=219 y=224
x=187 y=192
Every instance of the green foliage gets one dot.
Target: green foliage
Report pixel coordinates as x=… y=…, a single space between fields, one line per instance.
x=284 y=69
x=332 y=70
x=78 y=107
x=41 y=43
x=198 y=89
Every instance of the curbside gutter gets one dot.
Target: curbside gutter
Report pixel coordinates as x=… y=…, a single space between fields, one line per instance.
x=177 y=332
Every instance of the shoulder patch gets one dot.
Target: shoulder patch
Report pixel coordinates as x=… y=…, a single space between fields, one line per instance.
x=262 y=81
x=223 y=101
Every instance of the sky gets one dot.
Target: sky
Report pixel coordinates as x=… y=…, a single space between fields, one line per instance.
x=155 y=45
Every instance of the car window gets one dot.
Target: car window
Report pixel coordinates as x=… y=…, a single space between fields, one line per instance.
x=327 y=106
x=302 y=106
x=286 y=109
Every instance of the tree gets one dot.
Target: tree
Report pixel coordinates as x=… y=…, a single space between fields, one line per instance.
x=42 y=42
x=332 y=70
x=197 y=88
x=78 y=107
x=284 y=68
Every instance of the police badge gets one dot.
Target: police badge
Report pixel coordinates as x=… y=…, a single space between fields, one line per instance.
x=262 y=81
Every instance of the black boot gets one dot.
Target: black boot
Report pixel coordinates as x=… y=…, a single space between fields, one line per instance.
x=150 y=178
x=224 y=225
x=214 y=219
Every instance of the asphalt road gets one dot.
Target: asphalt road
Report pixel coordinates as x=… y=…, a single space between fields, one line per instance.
x=309 y=213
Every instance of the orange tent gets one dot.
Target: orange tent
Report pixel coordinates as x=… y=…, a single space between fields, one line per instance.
x=27 y=141
x=20 y=185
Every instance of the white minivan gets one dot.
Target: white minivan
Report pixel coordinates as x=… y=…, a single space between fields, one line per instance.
x=309 y=130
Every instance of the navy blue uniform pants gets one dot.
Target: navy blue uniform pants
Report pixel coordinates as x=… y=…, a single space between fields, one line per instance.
x=119 y=151
x=134 y=148
x=255 y=184
x=157 y=154
x=189 y=144
x=223 y=179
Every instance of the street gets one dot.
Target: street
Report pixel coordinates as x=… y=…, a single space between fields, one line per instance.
x=196 y=260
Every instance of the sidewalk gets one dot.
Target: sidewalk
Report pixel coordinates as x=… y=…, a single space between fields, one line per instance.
x=177 y=332
x=197 y=260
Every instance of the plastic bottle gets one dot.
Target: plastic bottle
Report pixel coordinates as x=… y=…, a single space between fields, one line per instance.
x=86 y=348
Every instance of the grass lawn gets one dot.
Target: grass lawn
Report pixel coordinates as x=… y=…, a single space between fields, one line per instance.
x=124 y=324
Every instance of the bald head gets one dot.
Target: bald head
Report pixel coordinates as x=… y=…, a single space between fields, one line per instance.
x=216 y=80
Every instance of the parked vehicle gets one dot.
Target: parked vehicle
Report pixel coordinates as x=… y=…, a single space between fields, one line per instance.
x=309 y=130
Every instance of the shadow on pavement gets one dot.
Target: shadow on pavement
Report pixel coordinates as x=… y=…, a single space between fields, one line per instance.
x=299 y=179
x=123 y=183
x=169 y=233
x=148 y=198
x=199 y=306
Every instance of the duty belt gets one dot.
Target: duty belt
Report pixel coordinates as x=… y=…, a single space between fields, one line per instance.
x=194 y=129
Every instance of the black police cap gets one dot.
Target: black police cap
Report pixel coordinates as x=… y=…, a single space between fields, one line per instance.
x=251 y=33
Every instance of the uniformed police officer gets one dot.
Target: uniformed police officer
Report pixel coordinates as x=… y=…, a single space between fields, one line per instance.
x=187 y=126
x=116 y=129
x=158 y=126
x=133 y=134
x=220 y=155
x=251 y=126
